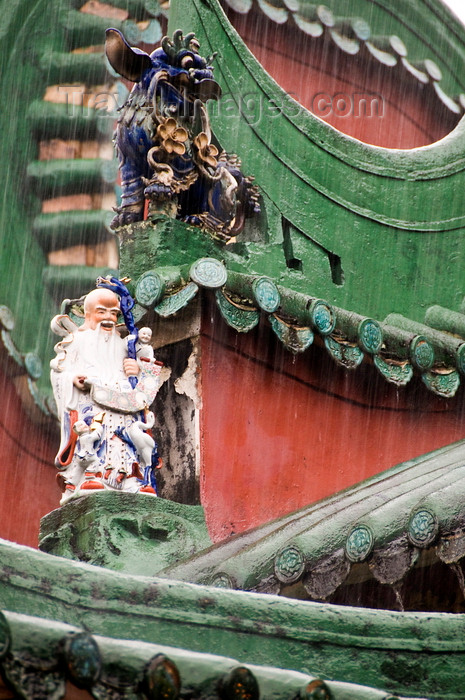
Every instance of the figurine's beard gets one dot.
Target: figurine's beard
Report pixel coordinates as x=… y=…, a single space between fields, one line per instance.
x=103 y=352
x=107 y=330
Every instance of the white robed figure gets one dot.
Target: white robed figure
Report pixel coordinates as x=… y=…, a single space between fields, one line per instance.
x=97 y=405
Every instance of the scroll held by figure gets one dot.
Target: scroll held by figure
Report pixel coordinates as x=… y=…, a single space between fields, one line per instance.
x=167 y=153
x=103 y=386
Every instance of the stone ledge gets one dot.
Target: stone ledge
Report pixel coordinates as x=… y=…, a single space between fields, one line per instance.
x=127 y=532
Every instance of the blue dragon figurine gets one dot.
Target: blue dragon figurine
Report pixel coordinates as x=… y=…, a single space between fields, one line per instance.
x=164 y=142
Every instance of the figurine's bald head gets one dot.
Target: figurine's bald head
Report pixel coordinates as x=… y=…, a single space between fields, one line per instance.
x=101 y=306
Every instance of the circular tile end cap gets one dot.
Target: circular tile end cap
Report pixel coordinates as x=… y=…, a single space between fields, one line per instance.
x=239 y=684
x=315 y=690
x=266 y=294
x=421 y=353
x=423 y=528
x=322 y=316
x=370 y=335
x=222 y=580
x=162 y=680
x=82 y=657
x=149 y=289
x=289 y=564
x=359 y=544
x=209 y=273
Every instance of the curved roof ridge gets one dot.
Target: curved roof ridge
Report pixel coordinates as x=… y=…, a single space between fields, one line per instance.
x=352 y=34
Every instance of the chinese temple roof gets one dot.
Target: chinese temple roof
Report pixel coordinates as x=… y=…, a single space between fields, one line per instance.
x=192 y=620
x=398 y=347
x=300 y=266
x=61 y=653
x=403 y=517
x=366 y=193
x=353 y=29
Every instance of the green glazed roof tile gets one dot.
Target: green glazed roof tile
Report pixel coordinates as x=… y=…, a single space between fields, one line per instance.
x=350 y=33
x=40 y=655
x=255 y=629
x=397 y=346
x=414 y=506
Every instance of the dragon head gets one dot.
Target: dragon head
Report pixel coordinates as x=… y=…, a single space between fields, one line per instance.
x=177 y=62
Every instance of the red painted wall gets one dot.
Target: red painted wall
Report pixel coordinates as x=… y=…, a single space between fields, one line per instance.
x=28 y=489
x=282 y=431
x=316 y=73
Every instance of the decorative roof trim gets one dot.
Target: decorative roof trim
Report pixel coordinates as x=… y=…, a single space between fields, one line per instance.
x=398 y=347
x=351 y=35
x=150 y=609
x=107 y=667
x=438 y=160
x=386 y=521
x=28 y=364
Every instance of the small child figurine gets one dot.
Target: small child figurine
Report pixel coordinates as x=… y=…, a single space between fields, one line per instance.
x=144 y=350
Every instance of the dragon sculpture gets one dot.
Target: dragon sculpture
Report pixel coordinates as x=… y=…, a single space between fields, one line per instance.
x=163 y=139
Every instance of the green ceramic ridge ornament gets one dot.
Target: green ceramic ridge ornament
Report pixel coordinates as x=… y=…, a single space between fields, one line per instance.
x=370 y=336
x=293 y=338
x=422 y=528
x=241 y=319
x=398 y=373
x=359 y=544
x=316 y=690
x=177 y=301
x=222 y=580
x=266 y=294
x=209 y=273
x=162 y=680
x=149 y=289
x=289 y=564
x=165 y=115
x=421 y=353
x=82 y=657
x=442 y=382
x=239 y=684
x=322 y=316
x=345 y=354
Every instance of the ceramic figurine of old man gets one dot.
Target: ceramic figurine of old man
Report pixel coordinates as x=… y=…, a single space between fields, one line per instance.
x=102 y=397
